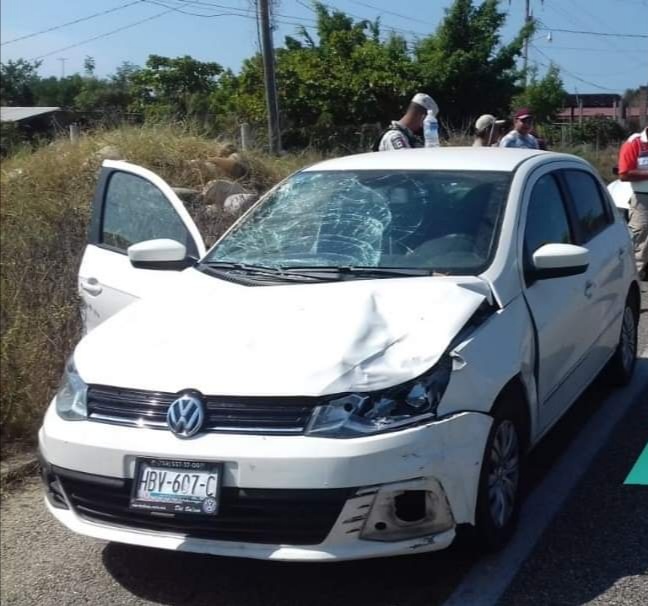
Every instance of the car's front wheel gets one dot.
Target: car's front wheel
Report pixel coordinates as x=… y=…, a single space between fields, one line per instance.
x=498 y=501
x=623 y=361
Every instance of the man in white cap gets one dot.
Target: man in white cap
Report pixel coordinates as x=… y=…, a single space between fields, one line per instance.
x=487 y=130
x=401 y=134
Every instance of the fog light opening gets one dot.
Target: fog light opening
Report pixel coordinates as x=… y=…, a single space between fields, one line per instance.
x=410 y=506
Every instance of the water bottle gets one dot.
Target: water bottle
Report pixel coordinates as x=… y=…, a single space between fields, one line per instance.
x=431 y=130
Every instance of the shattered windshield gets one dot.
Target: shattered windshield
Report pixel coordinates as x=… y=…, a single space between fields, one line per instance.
x=441 y=221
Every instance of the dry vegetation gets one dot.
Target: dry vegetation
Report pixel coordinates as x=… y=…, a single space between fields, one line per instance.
x=45 y=206
x=44 y=209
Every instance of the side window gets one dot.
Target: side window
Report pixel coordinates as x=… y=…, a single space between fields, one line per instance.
x=547 y=221
x=591 y=208
x=135 y=210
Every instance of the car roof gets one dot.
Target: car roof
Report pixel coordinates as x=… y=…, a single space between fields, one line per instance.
x=439 y=158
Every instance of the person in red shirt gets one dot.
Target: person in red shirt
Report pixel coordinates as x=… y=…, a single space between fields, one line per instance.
x=633 y=167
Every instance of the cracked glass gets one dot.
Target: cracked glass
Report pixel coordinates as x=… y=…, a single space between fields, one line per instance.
x=442 y=221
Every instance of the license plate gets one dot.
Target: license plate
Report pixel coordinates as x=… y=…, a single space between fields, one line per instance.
x=175 y=486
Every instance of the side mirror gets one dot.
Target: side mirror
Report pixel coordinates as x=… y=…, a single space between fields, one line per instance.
x=559 y=261
x=159 y=254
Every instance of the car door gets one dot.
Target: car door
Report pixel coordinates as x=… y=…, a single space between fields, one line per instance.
x=560 y=307
x=604 y=235
x=131 y=205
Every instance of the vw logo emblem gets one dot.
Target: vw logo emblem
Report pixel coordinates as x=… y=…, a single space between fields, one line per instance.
x=186 y=416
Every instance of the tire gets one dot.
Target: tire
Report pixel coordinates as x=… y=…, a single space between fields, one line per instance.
x=498 y=497
x=622 y=363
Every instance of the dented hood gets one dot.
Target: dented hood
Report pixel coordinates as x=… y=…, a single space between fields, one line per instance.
x=305 y=339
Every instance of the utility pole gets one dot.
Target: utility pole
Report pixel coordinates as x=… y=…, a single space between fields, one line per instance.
x=62 y=60
x=274 y=136
x=527 y=19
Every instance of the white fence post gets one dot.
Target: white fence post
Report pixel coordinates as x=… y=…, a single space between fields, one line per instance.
x=246 y=136
x=74 y=132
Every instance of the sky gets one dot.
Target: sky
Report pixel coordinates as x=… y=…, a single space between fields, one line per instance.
x=225 y=31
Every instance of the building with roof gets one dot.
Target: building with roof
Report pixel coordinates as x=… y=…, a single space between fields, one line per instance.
x=25 y=114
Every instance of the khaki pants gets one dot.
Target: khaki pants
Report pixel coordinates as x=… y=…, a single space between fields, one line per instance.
x=638 y=223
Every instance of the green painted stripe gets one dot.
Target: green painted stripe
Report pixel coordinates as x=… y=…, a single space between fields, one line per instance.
x=639 y=473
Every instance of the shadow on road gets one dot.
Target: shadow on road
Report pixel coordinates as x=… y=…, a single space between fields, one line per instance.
x=596 y=549
x=171 y=578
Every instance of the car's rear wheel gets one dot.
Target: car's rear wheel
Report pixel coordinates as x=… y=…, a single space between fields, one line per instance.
x=623 y=361
x=498 y=500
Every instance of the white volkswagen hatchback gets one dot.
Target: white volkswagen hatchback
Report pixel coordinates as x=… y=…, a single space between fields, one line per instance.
x=355 y=369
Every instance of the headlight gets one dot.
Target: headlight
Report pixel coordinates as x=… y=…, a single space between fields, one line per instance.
x=71 y=396
x=360 y=414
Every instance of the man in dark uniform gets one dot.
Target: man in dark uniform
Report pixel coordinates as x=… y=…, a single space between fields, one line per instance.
x=401 y=134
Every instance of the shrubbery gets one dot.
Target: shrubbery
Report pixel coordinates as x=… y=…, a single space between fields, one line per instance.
x=44 y=216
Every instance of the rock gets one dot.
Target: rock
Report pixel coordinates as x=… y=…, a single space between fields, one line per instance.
x=213 y=211
x=186 y=194
x=217 y=191
x=233 y=166
x=239 y=203
x=227 y=149
x=15 y=173
x=206 y=169
x=109 y=152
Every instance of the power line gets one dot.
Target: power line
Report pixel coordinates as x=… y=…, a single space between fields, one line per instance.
x=588 y=33
x=386 y=12
x=80 y=20
x=362 y=18
x=104 y=35
x=572 y=74
x=599 y=50
x=139 y=22
x=244 y=14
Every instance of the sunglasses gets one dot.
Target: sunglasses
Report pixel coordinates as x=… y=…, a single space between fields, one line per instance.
x=527 y=120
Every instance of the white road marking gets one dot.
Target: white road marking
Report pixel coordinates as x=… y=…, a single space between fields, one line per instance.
x=488 y=579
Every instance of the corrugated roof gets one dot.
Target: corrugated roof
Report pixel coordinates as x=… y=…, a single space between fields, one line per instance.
x=16 y=114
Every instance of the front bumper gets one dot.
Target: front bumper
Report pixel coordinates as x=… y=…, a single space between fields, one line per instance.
x=444 y=456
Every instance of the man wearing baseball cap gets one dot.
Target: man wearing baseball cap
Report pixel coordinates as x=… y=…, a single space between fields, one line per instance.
x=521 y=136
x=401 y=134
x=486 y=130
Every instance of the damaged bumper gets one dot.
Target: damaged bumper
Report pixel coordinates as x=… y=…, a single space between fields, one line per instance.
x=376 y=496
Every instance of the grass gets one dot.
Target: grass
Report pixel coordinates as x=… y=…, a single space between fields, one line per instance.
x=44 y=212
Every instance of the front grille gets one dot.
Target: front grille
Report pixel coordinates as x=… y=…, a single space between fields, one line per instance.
x=271 y=415
x=285 y=517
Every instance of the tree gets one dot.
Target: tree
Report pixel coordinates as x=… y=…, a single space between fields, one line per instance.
x=343 y=77
x=16 y=80
x=89 y=65
x=465 y=67
x=545 y=97
x=59 y=92
x=174 y=86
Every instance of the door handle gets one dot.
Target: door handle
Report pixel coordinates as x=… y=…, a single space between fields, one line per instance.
x=91 y=286
x=589 y=288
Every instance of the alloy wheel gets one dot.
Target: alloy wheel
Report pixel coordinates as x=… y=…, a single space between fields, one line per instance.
x=504 y=472
x=628 y=339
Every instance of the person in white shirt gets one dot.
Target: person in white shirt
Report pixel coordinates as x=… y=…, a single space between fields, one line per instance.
x=633 y=168
x=521 y=136
x=402 y=134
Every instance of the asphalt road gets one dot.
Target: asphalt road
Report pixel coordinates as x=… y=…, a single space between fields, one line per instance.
x=594 y=552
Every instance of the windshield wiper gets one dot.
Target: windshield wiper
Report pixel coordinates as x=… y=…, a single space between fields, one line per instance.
x=361 y=270
x=276 y=273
